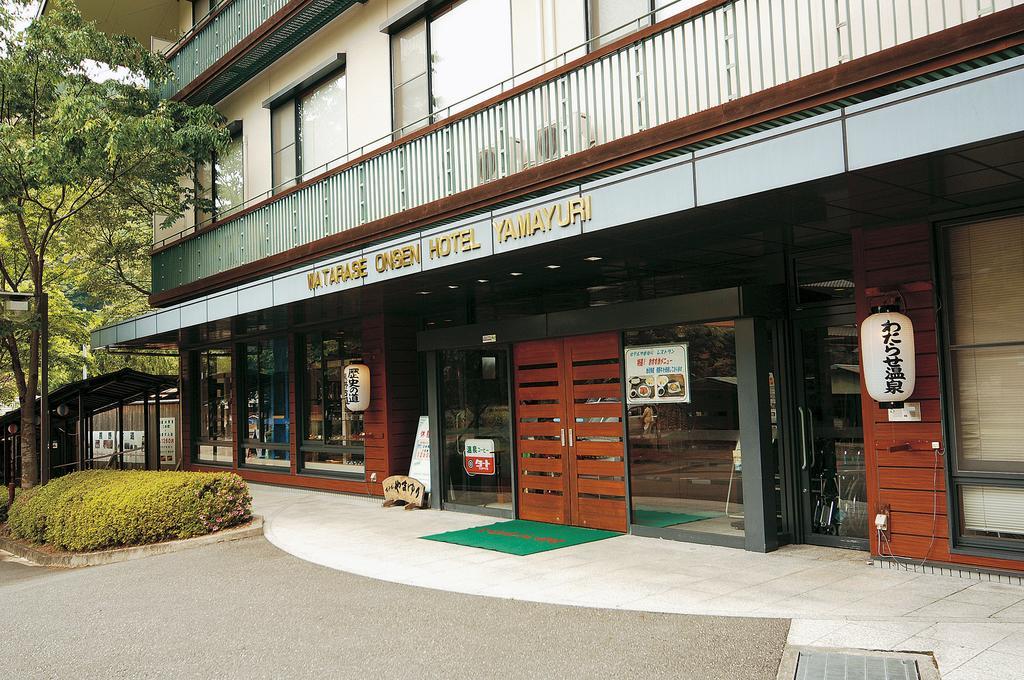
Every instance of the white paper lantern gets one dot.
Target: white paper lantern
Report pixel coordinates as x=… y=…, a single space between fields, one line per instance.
x=888 y=357
x=357 y=387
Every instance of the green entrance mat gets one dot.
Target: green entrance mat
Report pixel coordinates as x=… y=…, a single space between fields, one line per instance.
x=661 y=518
x=520 y=537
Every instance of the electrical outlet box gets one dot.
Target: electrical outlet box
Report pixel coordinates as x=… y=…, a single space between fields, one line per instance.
x=910 y=413
x=882 y=521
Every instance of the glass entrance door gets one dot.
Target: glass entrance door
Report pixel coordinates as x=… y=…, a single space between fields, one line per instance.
x=828 y=432
x=476 y=431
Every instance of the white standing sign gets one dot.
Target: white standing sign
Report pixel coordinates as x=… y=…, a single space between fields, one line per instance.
x=168 y=434
x=419 y=467
x=657 y=374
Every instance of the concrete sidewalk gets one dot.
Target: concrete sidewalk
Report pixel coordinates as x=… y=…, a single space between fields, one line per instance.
x=834 y=597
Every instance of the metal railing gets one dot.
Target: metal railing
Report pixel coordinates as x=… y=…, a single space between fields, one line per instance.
x=204 y=44
x=736 y=49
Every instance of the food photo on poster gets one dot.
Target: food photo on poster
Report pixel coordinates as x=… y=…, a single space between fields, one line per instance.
x=657 y=374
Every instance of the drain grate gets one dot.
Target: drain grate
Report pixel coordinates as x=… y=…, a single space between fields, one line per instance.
x=845 y=666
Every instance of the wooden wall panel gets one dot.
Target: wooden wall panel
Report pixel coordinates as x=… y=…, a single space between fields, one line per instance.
x=887 y=260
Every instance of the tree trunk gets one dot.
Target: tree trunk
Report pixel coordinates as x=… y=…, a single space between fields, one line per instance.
x=29 y=429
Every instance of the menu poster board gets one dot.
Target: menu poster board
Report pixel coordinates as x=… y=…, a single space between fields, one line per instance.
x=657 y=374
x=419 y=467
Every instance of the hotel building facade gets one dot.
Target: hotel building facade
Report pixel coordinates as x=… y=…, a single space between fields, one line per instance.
x=610 y=259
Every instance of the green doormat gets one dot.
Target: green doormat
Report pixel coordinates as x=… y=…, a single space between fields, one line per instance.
x=661 y=518
x=520 y=537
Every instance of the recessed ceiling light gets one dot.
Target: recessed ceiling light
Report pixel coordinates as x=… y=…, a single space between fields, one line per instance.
x=482 y=280
x=452 y=286
x=515 y=273
x=554 y=266
x=593 y=258
x=423 y=292
x=431 y=323
x=447 y=320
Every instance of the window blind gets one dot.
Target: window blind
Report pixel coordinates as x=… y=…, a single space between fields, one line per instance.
x=993 y=509
x=986 y=316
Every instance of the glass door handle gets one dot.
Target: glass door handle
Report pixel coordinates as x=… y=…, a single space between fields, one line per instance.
x=562 y=435
x=572 y=438
x=813 y=441
x=803 y=437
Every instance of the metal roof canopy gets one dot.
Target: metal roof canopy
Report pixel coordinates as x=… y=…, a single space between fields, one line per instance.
x=102 y=392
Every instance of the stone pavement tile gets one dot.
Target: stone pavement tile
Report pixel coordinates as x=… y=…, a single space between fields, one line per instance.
x=928 y=585
x=982 y=635
x=808 y=631
x=674 y=600
x=988 y=665
x=1012 y=644
x=1013 y=612
x=879 y=607
x=950 y=609
x=1003 y=597
x=949 y=655
x=872 y=634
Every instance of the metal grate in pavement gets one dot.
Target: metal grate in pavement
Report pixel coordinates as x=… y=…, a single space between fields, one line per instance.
x=846 y=666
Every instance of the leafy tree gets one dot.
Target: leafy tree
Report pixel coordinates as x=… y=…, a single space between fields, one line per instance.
x=76 y=157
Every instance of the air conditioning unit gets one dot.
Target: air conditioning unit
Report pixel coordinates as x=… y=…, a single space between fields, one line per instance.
x=550 y=143
x=489 y=161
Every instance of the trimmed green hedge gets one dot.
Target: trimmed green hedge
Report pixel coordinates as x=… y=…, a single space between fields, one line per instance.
x=99 y=509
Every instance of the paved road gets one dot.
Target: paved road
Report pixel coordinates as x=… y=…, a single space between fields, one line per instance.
x=247 y=610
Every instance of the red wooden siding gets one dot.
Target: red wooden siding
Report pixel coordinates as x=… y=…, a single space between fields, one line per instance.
x=912 y=483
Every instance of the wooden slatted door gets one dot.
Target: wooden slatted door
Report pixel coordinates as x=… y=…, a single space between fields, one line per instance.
x=541 y=431
x=569 y=431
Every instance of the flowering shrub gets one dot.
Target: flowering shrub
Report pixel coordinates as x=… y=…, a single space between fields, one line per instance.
x=99 y=509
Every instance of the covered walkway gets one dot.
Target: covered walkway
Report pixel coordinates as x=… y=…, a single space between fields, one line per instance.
x=77 y=408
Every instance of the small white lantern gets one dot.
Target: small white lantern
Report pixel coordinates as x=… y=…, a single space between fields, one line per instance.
x=888 y=357
x=357 y=387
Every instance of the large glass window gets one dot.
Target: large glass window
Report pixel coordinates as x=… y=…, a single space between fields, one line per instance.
x=470 y=49
x=215 y=395
x=229 y=178
x=625 y=15
x=685 y=465
x=284 y=152
x=985 y=320
x=267 y=424
x=467 y=47
x=323 y=128
x=476 y=428
x=332 y=434
x=409 y=75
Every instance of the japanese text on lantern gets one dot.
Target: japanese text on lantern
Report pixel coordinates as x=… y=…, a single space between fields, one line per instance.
x=891 y=341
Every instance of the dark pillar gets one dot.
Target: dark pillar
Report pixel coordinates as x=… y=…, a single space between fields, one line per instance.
x=434 y=415
x=120 y=435
x=752 y=368
x=147 y=440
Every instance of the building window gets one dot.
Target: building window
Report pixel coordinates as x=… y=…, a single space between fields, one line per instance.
x=220 y=183
x=267 y=426
x=309 y=132
x=229 y=178
x=409 y=74
x=616 y=18
x=284 y=148
x=323 y=129
x=985 y=362
x=215 y=397
x=332 y=435
x=200 y=8
x=469 y=44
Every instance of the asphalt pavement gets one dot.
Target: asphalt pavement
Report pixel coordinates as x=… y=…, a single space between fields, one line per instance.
x=245 y=609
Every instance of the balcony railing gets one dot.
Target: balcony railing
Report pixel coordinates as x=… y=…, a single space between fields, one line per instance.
x=733 y=50
x=226 y=26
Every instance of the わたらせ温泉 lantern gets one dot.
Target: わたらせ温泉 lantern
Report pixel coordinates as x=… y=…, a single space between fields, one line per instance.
x=887 y=356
